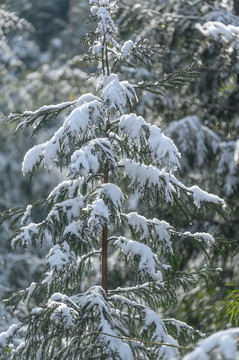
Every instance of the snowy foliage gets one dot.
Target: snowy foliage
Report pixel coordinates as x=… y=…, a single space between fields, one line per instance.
x=100 y=143
x=221 y=345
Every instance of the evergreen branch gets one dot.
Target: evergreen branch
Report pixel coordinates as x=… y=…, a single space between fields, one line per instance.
x=145 y=51
x=231 y=305
x=172 y=80
x=142 y=341
x=38 y=118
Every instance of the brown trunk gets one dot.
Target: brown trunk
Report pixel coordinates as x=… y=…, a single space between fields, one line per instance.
x=104 y=269
x=104 y=265
x=236 y=7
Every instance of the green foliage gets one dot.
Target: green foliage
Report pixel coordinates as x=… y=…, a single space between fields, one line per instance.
x=231 y=305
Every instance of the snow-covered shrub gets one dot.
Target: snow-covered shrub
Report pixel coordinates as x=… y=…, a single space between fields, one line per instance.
x=100 y=142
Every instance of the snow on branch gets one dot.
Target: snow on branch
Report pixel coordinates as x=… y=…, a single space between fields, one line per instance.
x=134 y=127
x=84 y=118
x=218 y=30
x=148 y=262
x=151 y=181
x=7 y=335
x=70 y=187
x=106 y=24
x=60 y=256
x=79 y=124
x=112 y=195
x=48 y=152
x=98 y=218
x=116 y=93
x=160 y=335
x=146 y=178
x=201 y=236
x=95 y=302
x=144 y=227
x=40 y=117
x=222 y=344
x=200 y=196
x=88 y=158
x=162 y=148
x=152 y=323
x=46 y=113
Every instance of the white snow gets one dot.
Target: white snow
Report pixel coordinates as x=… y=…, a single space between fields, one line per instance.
x=69 y=207
x=142 y=225
x=153 y=322
x=236 y=153
x=75 y=228
x=86 y=98
x=160 y=335
x=4 y=336
x=25 y=235
x=60 y=256
x=87 y=159
x=161 y=228
x=141 y=174
x=132 y=126
x=144 y=176
x=201 y=236
x=30 y=290
x=78 y=121
x=26 y=214
x=148 y=260
x=113 y=194
x=115 y=93
x=99 y=209
x=80 y=163
x=47 y=151
x=106 y=23
x=32 y=158
x=94 y=10
x=201 y=196
x=161 y=147
x=62 y=313
x=50 y=107
x=222 y=342
x=70 y=185
x=52 y=148
x=164 y=149
x=148 y=177
x=218 y=30
x=126 y=48
x=97 y=47
x=105 y=323
x=138 y=223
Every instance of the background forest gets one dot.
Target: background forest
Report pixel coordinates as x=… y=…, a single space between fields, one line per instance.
x=41 y=63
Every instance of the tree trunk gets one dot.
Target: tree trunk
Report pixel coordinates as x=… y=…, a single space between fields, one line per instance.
x=104 y=265
x=236 y=7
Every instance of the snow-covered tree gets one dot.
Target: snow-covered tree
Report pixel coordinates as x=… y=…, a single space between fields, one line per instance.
x=109 y=152
x=23 y=71
x=202 y=120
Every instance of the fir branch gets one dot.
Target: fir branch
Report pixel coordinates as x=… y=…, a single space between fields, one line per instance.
x=172 y=80
x=143 y=341
x=38 y=118
x=145 y=51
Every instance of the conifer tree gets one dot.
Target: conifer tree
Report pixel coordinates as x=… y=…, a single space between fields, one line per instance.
x=86 y=217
